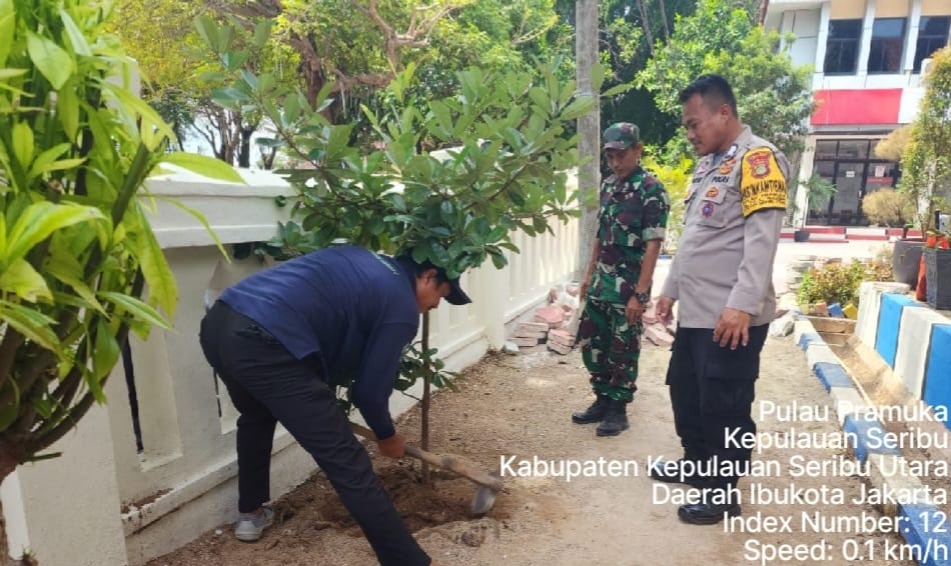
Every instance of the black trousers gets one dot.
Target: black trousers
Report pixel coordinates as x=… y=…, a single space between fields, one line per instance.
x=268 y=385
x=712 y=391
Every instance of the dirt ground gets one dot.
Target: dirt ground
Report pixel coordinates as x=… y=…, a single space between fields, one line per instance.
x=520 y=406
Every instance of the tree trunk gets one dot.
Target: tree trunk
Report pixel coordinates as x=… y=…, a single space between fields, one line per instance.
x=589 y=125
x=424 y=424
x=8 y=463
x=244 y=155
x=646 y=24
x=663 y=17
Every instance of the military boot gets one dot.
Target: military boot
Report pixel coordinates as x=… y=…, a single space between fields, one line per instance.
x=615 y=420
x=594 y=413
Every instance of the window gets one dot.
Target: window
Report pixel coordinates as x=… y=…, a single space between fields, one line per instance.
x=888 y=35
x=842 y=49
x=932 y=36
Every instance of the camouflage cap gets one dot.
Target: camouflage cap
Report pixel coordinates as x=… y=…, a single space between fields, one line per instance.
x=621 y=135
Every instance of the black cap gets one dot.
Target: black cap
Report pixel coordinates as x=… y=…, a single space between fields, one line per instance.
x=456 y=295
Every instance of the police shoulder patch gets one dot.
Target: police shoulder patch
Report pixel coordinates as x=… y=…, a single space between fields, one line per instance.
x=763 y=185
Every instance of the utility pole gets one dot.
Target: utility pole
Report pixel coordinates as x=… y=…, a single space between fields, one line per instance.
x=589 y=125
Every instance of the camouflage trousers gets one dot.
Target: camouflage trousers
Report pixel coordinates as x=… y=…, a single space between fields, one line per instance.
x=610 y=348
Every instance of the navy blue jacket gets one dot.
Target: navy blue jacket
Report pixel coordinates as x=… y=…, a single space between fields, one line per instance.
x=352 y=308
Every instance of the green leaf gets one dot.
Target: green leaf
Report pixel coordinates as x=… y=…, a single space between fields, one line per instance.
x=617 y=89
x=12 y=73
x=154 y=130
x=7 y=27
x=163 y=290
x=23 y=144
x=597 y=76
x=35 y=326
x=49 y=156
x=41 y=219
x=53 y=62
x=104 y=357
x=136 y=308
x=67 y=110
x=67 y=269
x=26 y=282
x=204 y=165
x=76 y=38
x=261 y=33
x=204 y=222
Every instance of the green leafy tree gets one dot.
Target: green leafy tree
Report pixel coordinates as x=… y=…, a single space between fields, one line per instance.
x=926 y=163
x=76 y=248
x=773 y=95
x=503 y=168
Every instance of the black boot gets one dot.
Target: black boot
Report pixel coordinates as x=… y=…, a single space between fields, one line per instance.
x=615 y=420
x=715 y=505
x=594 y=413
x=673 y=471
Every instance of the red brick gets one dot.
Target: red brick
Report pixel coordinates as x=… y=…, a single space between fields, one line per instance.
x=526 y=342
x=562 y=337
x=520 y=333
x=533 y=326
x=559 y=348
x=552 y=315
x=658 y=335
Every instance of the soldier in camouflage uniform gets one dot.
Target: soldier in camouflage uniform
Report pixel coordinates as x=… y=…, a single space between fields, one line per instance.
x=616 y=286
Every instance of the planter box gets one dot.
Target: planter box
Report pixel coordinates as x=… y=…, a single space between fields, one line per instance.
x=938 y=277
x=905 y=260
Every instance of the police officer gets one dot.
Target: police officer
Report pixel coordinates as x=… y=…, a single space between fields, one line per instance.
x=722 y=276
x=280 y=338
x=617 y=282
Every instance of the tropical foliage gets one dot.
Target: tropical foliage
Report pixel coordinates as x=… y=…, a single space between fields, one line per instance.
x=773 y=95
x=76 y=248
x=926 y=163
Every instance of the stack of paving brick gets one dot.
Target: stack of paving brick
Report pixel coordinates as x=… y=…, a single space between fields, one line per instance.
x=655 y=331
x=560 y=341
x=529 y=334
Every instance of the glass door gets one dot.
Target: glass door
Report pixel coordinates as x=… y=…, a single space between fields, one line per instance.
x=849 y=181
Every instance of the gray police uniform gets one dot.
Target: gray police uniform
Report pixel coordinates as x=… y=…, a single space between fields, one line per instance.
x=732 y=221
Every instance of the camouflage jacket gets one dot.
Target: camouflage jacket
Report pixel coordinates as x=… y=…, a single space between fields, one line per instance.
x=633 y=212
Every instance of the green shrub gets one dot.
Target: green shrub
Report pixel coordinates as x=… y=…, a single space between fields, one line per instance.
x=839 y=282
x=889 y=207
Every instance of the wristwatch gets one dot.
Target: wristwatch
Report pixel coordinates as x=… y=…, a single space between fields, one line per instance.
x=642 y=298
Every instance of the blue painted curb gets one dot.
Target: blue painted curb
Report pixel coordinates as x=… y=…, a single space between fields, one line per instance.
x=925 y=530
x=832 y=375
x=864 y=430
x=808 y=338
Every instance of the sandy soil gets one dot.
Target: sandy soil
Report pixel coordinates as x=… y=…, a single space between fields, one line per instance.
x=520 y=406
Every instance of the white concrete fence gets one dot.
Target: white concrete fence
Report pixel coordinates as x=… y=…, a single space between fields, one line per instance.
x=104 y=502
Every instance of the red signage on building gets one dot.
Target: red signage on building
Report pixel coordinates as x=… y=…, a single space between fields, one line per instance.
x=857 y=107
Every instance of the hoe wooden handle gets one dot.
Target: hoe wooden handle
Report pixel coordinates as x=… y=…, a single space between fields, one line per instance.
x=450 y=462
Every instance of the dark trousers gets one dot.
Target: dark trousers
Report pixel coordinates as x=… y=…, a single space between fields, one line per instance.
x=712 y=391
x=268 y=385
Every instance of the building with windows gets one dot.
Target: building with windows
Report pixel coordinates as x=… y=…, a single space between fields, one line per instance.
x=867 y=58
